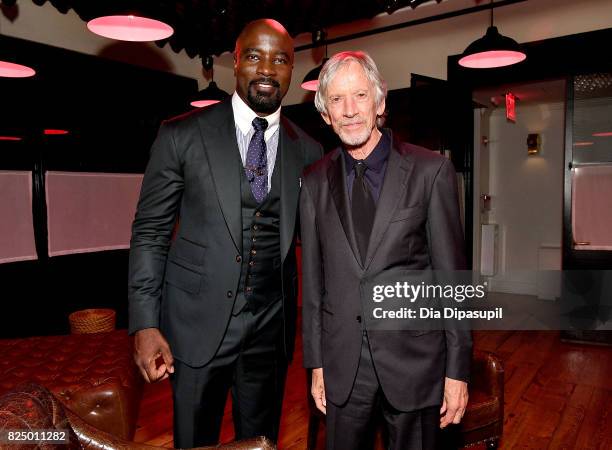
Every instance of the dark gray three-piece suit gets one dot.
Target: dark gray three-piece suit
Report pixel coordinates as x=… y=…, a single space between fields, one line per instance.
x=189 y=285
x=416 y=226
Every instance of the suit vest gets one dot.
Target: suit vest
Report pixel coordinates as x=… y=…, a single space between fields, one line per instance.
x=260 y=275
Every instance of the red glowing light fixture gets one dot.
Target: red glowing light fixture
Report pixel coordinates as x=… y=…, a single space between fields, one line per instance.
x=603 y=134
x=209 y=96
x=511 y=107
x=311 y=85
x=130 y=28
x=492 y=50
x=492 y=59
x=12 y=70
x=311 y=80
x=10 y=138
x=203 y=103
x=54 y=132
x=583 y=144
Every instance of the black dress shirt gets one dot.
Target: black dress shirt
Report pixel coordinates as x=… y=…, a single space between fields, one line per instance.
x=376 y=163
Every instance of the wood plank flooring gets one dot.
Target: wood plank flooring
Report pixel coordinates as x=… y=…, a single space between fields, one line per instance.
x=557 y=396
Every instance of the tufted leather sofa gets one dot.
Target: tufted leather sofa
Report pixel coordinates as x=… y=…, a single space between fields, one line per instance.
x=92 y=374
x=32 y=407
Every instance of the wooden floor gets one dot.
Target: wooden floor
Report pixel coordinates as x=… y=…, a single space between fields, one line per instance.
x=557 y=396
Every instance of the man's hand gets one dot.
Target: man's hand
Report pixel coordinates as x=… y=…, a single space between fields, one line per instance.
x=318 y=389
x=455 y=402
x=149 y=344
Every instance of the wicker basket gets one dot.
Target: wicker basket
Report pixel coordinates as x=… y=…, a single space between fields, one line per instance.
x=92 y=321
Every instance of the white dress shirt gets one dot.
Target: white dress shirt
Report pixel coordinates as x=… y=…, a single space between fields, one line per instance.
x=243 y=118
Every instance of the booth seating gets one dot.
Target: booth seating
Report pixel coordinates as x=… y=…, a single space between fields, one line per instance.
x=484 y=417
x=32 y=407
x=92 y=374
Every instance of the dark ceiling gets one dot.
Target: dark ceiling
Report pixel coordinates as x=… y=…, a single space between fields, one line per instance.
x=210 y=27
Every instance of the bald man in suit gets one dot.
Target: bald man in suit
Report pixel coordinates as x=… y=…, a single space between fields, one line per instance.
x=218 y=302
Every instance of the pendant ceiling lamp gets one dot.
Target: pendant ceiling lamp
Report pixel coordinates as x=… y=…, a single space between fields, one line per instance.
x=212 y=94
x=311 y=80
x=492 y=50
x=10 y=69
x=130 y=27
x=209 y=96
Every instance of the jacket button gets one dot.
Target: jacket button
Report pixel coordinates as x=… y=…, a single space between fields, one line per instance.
x=258 y=214
x=230 y=294
x=251 y=263
x=358 y=319
x=253 y=252
x=238 y=258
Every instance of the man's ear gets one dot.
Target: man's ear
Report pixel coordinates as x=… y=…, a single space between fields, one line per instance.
x=235 y=62
x=381 y=108
x=326 y=118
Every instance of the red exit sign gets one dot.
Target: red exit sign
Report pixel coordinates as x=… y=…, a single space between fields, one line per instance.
x=511 y=107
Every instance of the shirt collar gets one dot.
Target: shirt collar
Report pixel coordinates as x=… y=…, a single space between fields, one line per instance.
x=376 y=159
x=244 y=115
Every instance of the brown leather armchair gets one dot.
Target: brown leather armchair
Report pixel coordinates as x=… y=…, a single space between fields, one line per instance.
x=483 y=421
x=32 y=407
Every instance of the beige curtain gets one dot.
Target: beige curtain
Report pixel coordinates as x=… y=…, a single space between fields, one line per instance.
x=16 y=225
x=90 y=212
x=592 y=207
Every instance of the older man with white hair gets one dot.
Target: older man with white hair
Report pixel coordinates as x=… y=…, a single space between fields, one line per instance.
x=370 y=206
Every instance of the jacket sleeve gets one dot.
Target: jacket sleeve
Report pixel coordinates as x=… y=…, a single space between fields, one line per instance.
x=160 y=197
x=447 y=251
x=312 y=281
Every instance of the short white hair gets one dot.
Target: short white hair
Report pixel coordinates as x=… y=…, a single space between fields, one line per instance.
x=342 y=59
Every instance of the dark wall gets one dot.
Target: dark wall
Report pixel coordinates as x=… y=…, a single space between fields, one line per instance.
x=112 y=111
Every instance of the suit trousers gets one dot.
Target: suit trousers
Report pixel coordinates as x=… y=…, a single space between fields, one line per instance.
x=250 y=361
x=351 y=426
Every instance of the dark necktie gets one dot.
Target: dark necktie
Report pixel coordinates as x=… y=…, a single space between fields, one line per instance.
x=256 y=161
x=363 y=209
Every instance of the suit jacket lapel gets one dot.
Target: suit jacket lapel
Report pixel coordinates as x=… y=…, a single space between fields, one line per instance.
x=336 y=175
x=219 y=136
x=398 y=170
x=291 y=165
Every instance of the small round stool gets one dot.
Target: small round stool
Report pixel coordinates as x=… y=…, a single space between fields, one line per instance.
x=92 y=321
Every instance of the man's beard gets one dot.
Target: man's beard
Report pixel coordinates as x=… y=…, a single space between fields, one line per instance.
x=263 y=102
x=352 y=140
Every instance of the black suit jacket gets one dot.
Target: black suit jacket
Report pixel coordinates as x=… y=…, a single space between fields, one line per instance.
x=416 y=226
x=186 y=285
